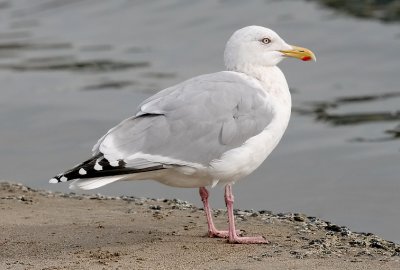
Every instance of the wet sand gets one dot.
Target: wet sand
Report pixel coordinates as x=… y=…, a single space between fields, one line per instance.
x=46 y=230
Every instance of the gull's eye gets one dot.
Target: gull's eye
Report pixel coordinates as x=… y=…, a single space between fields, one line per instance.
x=266 y=40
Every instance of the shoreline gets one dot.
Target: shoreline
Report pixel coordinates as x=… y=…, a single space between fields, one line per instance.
x=52 y=230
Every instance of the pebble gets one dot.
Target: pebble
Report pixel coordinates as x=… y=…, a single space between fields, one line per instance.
x=155 y=207
x=265 y=212
x=299 y=218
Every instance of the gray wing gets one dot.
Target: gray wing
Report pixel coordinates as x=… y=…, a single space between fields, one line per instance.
x=193 y=122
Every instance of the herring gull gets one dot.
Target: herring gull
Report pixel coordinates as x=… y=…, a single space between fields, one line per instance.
x=211 y=129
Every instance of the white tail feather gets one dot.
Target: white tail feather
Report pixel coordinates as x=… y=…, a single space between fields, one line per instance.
x=92 y=183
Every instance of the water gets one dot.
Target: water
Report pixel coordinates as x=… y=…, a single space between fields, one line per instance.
x=70 y=70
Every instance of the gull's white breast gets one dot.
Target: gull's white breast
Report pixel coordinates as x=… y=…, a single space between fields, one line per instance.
x=242 y=161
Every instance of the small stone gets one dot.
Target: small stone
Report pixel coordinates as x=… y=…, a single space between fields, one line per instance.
x=396 y=253
x=267 y=219
x=239 y=212
x=358 y=243
x=155 y=207
x=265 y=212
x=299 y=218
x=316 y=242
x=264 y=255
x=375 y=243
x=297 y=254
x=333 y=228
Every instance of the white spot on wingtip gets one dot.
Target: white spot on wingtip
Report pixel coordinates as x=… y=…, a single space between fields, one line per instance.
x=114 y=163
x=63 y=179
x=82 y=171
x=98 y=167
x=53 y=181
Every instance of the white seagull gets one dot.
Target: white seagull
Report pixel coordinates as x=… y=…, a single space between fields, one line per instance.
x=211 y=129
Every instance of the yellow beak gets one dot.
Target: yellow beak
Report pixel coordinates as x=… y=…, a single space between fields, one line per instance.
x=300 y=53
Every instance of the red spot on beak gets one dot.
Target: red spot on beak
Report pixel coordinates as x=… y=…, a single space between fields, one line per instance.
x=306 y=58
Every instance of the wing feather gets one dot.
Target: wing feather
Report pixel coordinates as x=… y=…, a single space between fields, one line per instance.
x=195 y=121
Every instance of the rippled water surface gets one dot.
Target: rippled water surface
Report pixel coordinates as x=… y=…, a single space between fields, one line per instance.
x=70 y=70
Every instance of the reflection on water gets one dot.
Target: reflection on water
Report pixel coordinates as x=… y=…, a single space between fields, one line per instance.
x=385 y=10
x=33 y=46
x=56 y=54
x=357 y=118
x=159 y=75
x=54 y=64
x=391 y=134
x=106 y=85
x=321 y=112
x=394 y=132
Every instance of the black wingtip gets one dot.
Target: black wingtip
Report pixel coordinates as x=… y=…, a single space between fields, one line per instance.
x=99 y=166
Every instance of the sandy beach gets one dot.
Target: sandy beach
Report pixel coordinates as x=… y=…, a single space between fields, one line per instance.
x=46 y=230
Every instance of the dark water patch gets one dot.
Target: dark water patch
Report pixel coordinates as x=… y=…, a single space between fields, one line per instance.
x=15 y=35
x=85 y=66
x=137 y=49
x=359 y=118
x=351 y=119
x=321 y=112
x=8 y=54
x=5 y=4
x=47 y=6
x=321 y=106
x=51 y=59
x=391 y=134
x=55 y=4
x=159 y=75
x=26 y=23
x=395 y=131
x=96 y=48
x=109 y=85
x=366 y=98
x=34 y=46
x=385 y=10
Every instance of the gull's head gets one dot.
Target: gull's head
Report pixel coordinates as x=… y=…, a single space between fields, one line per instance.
x=254 y=46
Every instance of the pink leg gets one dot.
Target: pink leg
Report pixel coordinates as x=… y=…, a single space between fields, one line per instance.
x=212 y=231
x=233 y=237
